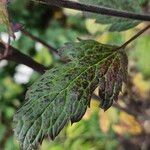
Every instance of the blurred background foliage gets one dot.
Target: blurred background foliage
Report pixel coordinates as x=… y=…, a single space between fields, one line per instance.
x=121 y=129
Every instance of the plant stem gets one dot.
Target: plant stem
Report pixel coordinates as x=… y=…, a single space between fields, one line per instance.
x=134 y=37
x=18 y=57
x=96 y=9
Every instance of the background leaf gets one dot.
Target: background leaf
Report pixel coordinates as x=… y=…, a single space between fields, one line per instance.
x=116 y=24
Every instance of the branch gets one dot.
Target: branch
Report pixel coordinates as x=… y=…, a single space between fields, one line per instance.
x=96 y=9
x=51 y=49
x=15 y=55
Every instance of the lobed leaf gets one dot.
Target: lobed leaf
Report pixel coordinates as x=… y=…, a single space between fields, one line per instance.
x=110 y=84
x=63 y=93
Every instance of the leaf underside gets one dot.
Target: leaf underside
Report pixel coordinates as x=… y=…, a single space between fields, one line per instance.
x=63 y=93
x=116 y=24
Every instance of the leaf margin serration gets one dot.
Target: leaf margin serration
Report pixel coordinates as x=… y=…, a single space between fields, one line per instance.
x=22 y=112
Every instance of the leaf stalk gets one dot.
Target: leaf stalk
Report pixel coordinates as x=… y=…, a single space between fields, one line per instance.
x=134 y=37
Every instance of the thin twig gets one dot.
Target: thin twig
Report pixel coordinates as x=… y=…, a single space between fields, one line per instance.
x=51 y=49
x=96 y=9
x=134 y=37
x=18 y=57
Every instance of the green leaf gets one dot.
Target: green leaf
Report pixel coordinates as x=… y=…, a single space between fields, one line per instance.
x=63 y=93
x=116 y=24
